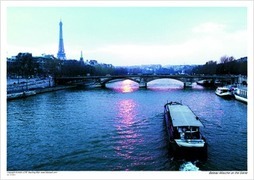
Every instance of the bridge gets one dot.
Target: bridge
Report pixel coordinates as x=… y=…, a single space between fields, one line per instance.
x=142 y=80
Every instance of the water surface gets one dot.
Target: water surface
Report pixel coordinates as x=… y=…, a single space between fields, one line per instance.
x=120 y=128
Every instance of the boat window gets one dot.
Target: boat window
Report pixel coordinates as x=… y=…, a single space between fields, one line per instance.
x=194 y=129
x=182 y=135
x=188 y=136
x=180 y=130
x=192 y=135
x=196 y=135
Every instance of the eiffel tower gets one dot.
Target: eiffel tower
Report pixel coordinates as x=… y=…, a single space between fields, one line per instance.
x=61 y=53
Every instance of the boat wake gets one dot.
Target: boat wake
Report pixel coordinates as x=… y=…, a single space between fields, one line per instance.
x=188 y=166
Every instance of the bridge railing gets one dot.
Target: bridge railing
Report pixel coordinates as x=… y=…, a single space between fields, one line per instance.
x=168 y=76
x=143 y=78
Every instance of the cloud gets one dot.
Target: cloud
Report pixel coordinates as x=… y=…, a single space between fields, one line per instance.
x=195 y=50
x=13 y=50
x=209 y=27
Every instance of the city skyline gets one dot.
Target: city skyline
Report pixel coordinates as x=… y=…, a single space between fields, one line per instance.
x=130 y=35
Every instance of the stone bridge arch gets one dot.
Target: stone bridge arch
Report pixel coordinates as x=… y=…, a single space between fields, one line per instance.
x=157 y=78
x=187 y=82
x=104 y=81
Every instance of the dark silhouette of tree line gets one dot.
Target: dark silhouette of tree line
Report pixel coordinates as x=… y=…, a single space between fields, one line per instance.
x=25 y=65
x=228 y=65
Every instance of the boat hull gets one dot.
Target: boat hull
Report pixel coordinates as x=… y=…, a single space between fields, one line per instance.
x=240 y=94
x=242 y=99
x=224 y=95
x=188 y=153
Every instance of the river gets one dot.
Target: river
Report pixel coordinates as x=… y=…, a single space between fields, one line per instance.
x=120 y=128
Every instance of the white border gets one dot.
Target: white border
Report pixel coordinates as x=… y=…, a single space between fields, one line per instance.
x=129 y=3
x=124 y=175
x=250 y=116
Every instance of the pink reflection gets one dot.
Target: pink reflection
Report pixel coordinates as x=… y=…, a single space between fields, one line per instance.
x=125 y=86
x=196 y=86
x=164 y=88
x=126 y=111
x=126 y=126
x=165 y=85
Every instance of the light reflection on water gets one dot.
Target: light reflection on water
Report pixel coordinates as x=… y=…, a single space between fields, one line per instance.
x=126 y=111
x=125 y=86
x=126 y=126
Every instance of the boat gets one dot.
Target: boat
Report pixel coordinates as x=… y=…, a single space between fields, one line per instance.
x=206 y=83
x=240 y=94
x=183 y=128
x=225 y=92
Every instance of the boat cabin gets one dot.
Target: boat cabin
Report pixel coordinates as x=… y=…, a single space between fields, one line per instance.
x=182 y=124
x=187 y=133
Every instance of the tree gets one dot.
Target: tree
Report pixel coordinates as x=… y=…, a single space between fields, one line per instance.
x=27 y=65
x=227 y=65
x=226 y=59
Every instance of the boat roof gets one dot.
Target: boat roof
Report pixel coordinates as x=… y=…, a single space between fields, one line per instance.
x=182 y=115
x=224 y=87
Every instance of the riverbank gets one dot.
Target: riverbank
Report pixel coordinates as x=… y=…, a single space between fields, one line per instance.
x=22 y=88
x=24 y=94
x=27 y=84
x=51 y=89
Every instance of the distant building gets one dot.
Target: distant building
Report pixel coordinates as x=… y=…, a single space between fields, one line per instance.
x=61 y=53
x=81 y=57
x=48 y=56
